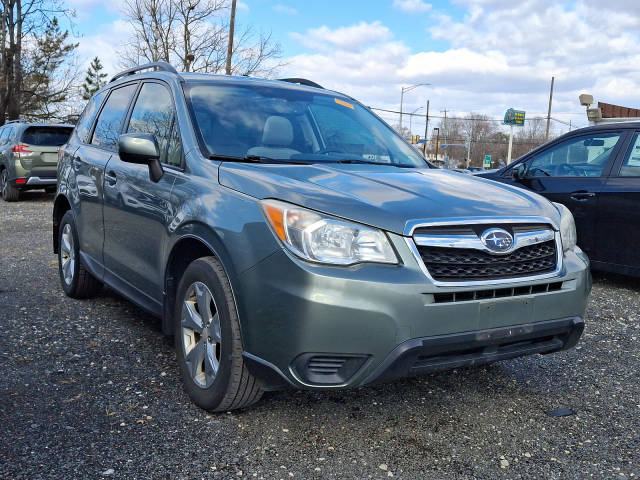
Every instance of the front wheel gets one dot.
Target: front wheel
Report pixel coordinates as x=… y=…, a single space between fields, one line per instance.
x=76 y=280
x=208 y=344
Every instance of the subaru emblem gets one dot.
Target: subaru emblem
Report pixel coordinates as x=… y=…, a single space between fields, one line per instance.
x=497 y=240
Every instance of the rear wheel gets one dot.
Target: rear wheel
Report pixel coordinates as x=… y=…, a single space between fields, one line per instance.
x=208 y=344
x=76 y=280
x=9 y=192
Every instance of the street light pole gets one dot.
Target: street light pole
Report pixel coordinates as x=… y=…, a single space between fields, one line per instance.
x=407 y=89
x=437 y=141
x=411 y=120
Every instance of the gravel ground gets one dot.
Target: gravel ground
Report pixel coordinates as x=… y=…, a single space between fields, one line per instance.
x=90 y=390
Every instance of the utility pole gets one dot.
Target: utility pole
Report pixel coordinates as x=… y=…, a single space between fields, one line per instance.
x=437 y=141
x=446 y=125
x=549 y=111
x=407 y=89
x=231 y=28
x=426 y=132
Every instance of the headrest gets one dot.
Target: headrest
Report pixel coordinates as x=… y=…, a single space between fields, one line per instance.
x=277 y=131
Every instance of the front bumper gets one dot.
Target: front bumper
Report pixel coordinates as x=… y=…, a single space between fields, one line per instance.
x=317 y=326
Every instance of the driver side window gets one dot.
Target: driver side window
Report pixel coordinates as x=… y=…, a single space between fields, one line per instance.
x=584 y=156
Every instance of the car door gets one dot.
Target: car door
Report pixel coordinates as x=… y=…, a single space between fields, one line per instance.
x=573 y=172
x=89 y=161
x=136 y=210
x=619 y=226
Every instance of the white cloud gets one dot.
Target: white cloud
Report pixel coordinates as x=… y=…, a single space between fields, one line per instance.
x=352 y=38
x=412 y=6
x=105 y=44
x=242 y=6
x=500 y=55
x=284 y=9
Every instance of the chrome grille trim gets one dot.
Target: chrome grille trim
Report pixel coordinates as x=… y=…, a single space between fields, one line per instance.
x=411 y=225
x=473 y=241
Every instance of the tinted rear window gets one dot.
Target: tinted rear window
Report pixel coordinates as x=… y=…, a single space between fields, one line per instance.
x=46 y=136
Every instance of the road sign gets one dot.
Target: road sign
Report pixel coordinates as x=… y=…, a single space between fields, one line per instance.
x=514 y=117
x=487 y=161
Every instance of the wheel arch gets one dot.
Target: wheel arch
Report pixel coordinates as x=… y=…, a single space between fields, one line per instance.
x=196 y=241
x=60 y=206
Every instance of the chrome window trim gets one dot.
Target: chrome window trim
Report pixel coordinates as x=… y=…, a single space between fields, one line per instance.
x=411 y=225
x=474 y=242
x=501 y=281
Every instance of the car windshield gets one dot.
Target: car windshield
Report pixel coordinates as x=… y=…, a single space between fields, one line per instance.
x=295 y=125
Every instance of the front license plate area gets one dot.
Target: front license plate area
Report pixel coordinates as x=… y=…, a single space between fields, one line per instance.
x=502 y=313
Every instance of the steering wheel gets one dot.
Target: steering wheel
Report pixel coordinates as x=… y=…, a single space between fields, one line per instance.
x=533 y=170
x=566 y=170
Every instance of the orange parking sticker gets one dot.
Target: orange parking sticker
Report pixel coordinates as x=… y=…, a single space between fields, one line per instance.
x=343 y=103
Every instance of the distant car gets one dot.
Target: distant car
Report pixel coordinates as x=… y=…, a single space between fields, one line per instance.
x=595 y=172
x=476 y=169
x=29 y=156
x=460 y=170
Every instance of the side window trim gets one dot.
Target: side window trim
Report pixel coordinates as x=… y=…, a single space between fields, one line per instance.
x=104 y=102
x=613 y=158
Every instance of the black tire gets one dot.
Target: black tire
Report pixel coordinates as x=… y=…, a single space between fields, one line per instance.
x=82 y=284
x=233 y=386
x=9 y=192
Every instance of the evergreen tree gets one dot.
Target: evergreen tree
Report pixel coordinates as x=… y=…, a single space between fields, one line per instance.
x=94 y=80
x=48 y=75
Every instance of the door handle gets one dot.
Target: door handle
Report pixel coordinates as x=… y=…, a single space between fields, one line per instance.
x=110 y=177
x=581 y=196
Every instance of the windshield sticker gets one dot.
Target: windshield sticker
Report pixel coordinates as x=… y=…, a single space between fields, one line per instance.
x=343 y=103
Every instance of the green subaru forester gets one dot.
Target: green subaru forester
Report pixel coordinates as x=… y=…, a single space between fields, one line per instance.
x=29 y=156
x=289 y=238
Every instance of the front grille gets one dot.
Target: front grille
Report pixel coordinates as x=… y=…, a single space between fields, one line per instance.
x=456 y=264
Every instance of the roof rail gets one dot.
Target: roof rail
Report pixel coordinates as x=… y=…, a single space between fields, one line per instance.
x=18 y=120
x=301 y=81
x=161 y=66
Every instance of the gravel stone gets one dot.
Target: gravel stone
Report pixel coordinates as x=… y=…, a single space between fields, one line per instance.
x=77 y=374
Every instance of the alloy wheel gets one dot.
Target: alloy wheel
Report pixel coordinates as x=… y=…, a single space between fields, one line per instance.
x=201 y=335
x=67 y=254
x=3 y=183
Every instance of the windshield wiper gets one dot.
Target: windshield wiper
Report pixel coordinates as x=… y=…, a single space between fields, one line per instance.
x=255 y=159
x=369 y=162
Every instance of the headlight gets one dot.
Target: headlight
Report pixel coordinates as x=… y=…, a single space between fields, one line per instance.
x=567 y=228
x=325 y=239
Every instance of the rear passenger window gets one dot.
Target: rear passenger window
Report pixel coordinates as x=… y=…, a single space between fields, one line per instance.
x=83 y=128
x=110 y=120
x=631 y=165
x=153 y=113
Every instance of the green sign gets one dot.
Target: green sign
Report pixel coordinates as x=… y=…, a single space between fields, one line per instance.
x=487 y=161
x=514 y=117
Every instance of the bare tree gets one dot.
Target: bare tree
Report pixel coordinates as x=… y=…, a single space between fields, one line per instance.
x=193 y=36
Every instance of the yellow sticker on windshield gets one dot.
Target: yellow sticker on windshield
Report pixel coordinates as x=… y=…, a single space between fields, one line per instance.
x=343 y=103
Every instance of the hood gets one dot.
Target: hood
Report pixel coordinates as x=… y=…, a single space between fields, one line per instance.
x=383 y=196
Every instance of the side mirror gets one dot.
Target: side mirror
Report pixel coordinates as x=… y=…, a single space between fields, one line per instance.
x=519 y=171
x=141 y=148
